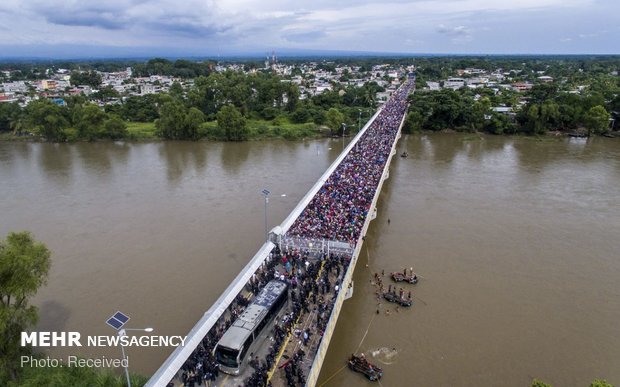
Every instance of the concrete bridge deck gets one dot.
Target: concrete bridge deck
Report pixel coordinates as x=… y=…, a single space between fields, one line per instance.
x=280 y=239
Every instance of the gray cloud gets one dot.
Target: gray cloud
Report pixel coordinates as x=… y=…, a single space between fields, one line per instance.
x=453 y=31
x=304 y=37
x=457 y=34
x=373 y=25
x=87 y=19
x=187 y=29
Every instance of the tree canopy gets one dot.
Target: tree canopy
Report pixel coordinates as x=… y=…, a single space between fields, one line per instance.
x=230 y=120
x=89 y=78
x=596 y=119
x=24 y=264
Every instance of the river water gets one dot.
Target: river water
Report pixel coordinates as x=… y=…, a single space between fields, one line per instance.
x=516 y=240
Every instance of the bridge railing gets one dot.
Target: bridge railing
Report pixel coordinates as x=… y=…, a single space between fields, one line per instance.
x=173 y=364
x=290 y=219
x=319 y=357
x=169 y=369
x=315 y=246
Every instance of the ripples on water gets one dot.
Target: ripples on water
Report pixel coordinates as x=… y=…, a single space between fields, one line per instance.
x=516 y=239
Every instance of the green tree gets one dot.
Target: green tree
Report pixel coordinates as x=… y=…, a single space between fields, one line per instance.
x=47 y=119
x=480 y=110
x=172 y=120
x=230 y=120
x=335 y=119
x=193 y=119
x=9 y=112
x=532 y=120
x=550 y=114
x=542 y=92
x=204 y=94
x=498 y=124
x=539 y=383
x=24 y=264
x=600 y=383
x=292 y=94
x=89 y=122
x=596 y=119
x=140 y=109
x=301 y=114
x=369 y=95
x=106 y=94
x=115 y=128
x=89 y=78
x=176 y=90
x=413 y=122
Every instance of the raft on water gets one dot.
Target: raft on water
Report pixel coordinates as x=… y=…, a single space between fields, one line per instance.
x=361 y=365
x=393 y=297
x=400 y=277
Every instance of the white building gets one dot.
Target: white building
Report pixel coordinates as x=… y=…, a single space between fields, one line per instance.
x=454 y=83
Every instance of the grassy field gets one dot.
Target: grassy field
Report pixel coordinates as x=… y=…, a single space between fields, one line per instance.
x=257 y=130
x=142 y=131
x=263 y=129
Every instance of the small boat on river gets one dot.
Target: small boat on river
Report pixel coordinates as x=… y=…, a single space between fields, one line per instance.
x=397 y=299
x=363 y=366
x=400 y=277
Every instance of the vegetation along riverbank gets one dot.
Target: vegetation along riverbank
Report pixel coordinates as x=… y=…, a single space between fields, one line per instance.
x=238 y=101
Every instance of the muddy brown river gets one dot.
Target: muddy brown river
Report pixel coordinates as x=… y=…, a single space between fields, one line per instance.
x=517 y=242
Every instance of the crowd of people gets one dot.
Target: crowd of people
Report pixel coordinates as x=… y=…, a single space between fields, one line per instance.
x=294 y=370
x=310 y=289
x=201 y=366
x=339 y=209
x=311 y=282
x=337 y=212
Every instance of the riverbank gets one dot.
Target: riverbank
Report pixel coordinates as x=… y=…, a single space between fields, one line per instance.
x=277 y=129
x=257 y=130
x=147 y=131
x=548 y=136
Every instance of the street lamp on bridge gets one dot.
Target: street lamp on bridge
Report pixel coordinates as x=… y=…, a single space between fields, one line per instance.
x=117 y=321
x=266 y=193
x=359 y=120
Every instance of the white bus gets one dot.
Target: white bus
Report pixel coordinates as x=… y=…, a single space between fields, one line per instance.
x=230 y=352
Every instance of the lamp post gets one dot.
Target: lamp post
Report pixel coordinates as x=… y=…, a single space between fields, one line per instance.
x=117 y=321
x=344 y=126
x=359 y=120
x=266 y=193
x=121 y=333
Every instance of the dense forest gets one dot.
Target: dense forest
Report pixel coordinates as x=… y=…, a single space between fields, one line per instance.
x=544 y=109
x=584 y=95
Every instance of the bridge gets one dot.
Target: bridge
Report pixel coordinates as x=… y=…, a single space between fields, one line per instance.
x=315 y=249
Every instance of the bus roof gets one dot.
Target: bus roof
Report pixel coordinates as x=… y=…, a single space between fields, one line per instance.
x=234 y=337
x=250 y=316
x=270 y=293
x=243 y=326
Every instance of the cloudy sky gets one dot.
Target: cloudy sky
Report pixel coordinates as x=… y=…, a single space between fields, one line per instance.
x=78 y=28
